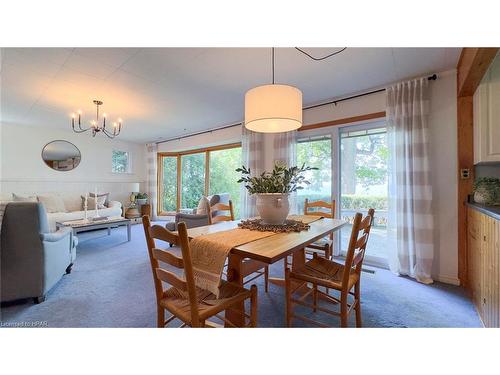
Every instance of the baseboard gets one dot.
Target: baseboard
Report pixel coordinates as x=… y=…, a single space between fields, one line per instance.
x=448 y=280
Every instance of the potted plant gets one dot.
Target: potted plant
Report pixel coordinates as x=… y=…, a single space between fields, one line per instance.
x=141 y=198
x=273 y=188
x=487 y=191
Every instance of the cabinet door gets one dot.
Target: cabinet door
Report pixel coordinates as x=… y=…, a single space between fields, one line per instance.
x=487 y=116
x=489 y=287
x=474 y=256
x=493 y=130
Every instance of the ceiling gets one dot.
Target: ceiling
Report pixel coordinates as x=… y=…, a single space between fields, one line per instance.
x=165 y=92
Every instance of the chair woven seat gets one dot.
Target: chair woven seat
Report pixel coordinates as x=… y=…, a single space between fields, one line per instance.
x=177 y=301
x=324 y=272
x=183 y=299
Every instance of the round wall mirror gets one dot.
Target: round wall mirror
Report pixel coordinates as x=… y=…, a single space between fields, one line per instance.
x=61 y=155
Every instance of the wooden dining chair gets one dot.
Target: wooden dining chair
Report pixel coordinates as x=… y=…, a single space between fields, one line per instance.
x=190 y=304
x=250 y=267
x=323 y=209
x=218 y=207
x=332 y=275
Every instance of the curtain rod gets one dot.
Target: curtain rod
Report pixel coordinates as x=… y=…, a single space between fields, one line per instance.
x=334 y=102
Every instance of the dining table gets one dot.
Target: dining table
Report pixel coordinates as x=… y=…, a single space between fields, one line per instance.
x=257 y=254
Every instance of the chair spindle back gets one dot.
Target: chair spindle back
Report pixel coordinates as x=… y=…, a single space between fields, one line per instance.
x=156 y=255
x=329 y=207
x=357 y=244
x=221 y=207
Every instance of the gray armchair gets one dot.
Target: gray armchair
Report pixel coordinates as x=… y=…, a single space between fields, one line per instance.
x=33 y=260
x=194 y=220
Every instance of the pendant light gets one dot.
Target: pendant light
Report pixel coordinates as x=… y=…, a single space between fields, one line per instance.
x=273 y=108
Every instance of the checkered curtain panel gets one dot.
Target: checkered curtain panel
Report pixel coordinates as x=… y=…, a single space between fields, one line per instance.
x=252 y=148
x=285 y=151
x=151 y=177
x=410 y=212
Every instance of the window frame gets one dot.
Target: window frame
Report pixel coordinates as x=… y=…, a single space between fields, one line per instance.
x=178 y=155
x=129 y=161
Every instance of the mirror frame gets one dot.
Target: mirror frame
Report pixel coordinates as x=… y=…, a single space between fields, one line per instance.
x=61 y=140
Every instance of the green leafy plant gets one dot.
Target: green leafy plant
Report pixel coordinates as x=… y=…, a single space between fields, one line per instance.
x=489 y=188
x=281 y=180
x=141 y=196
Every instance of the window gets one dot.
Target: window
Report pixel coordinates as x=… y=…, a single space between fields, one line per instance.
x=223 y=175
x=316 y=153
x=120 y=162
x=185 y=177
x=192 y=179
x=168 y=188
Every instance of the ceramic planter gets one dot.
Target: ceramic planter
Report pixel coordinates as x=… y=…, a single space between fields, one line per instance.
x=273 y=208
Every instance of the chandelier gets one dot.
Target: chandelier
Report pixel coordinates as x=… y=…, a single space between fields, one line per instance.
x=97 y=126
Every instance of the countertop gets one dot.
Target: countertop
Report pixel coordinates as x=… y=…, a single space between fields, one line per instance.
x=493 y=211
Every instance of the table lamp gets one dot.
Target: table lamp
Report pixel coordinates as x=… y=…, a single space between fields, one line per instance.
x=135 y=189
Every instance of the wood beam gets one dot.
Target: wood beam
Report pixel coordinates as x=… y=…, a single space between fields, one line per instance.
x=465 y=157
x=472 y=66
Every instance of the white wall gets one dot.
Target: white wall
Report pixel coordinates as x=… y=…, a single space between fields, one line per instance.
x=443 y=142
x=23 y=170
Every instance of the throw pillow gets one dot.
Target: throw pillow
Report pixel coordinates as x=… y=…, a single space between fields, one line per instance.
x=106 y=202
x=202 y=206
x=92 y=200
x=52 y=203
x=92 y=195
x=20 y=198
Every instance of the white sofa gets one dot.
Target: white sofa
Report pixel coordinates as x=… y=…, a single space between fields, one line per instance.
x=73 y=206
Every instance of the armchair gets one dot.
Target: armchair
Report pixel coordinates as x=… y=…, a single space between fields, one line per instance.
x=33 y=260
x=194 y=219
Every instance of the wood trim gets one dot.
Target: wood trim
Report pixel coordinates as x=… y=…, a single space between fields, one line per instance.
x=472 y=66
x=179 y=181
x=465 y=159
x=200 y=150
x=159 y=187
x=207 y=174
x=342 y=121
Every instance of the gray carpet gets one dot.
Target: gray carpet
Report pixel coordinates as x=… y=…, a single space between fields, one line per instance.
x=111 y=286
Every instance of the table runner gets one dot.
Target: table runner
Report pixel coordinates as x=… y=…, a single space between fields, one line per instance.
x=209 y=252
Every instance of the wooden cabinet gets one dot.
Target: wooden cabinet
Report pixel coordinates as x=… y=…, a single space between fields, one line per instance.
x=483 y=236
x=487 y=116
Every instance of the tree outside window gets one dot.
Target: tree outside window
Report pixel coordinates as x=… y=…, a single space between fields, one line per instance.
x=120 y=162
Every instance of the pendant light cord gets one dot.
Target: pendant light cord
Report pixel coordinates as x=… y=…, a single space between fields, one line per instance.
x=321 y=58
x=272 y=49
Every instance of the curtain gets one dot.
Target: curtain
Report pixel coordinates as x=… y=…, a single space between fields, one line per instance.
x=252 y=148
x=285 y=151
x=151 y=177
x=410 y=221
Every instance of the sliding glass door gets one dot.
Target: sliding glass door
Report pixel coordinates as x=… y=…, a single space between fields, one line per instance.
x=315 y=152
x=363 y=160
